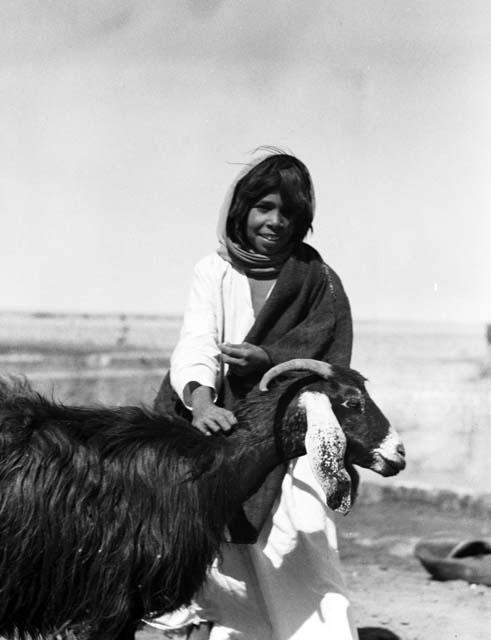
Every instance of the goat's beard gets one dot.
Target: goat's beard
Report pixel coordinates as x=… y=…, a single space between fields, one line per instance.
x=355 y=480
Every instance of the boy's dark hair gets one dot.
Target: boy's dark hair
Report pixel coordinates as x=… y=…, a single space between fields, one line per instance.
x=280 y=173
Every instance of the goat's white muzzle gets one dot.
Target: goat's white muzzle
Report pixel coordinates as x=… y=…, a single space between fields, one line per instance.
x=389 y=457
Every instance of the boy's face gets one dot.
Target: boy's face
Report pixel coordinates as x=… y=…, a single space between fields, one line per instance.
x=268 y=229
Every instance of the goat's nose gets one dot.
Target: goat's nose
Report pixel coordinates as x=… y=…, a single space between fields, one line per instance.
x=400 y=450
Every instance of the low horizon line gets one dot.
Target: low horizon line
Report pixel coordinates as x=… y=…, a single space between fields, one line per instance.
x=154 y=315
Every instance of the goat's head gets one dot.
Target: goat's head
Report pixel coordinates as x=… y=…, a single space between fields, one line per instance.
x=343 y=427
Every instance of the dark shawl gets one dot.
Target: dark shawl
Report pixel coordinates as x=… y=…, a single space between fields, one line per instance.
x=307 y=314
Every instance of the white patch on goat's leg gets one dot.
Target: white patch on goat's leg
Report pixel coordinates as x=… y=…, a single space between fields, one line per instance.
x=325 y=444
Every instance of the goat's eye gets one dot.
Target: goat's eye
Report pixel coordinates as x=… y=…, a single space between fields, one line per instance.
x=351 y=403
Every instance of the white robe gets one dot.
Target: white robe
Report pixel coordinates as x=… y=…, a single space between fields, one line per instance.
x=289 y=585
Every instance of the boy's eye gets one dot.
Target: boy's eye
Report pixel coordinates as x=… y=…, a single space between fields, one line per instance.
x=265 y=205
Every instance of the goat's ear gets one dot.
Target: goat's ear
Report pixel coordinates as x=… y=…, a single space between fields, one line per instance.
x=325 y=444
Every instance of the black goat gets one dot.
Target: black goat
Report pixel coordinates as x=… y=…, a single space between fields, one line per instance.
x=109 y=515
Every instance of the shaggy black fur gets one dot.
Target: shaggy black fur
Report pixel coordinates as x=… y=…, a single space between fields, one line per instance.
x=107 y=515
x=83 y=498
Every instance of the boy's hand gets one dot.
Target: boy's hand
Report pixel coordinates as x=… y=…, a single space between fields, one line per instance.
x=213 y=419
x=244 y=358
x=207 y=417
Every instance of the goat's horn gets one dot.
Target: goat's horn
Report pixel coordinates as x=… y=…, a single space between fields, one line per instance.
x=323 y=369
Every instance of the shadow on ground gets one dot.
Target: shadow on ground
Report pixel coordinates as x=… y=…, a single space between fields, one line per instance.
x=376 y=633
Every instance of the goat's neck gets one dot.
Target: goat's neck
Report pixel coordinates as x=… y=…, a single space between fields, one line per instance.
x=262 y=446
x=272 y=432
x=251 y=461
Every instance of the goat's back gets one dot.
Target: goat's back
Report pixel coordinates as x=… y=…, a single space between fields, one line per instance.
x=102 y=510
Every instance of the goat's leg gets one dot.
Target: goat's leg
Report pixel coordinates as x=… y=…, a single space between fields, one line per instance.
x=135 y=614
x=129 y=630
x=199 y=632
x=127 y=633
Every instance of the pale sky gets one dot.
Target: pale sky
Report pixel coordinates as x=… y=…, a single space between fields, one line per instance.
x=122 y=123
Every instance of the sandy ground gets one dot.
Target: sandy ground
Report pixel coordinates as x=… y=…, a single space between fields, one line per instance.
x=390 y=590
x=389 y=587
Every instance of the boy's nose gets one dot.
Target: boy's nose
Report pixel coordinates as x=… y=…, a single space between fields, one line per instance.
x=275 y=218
